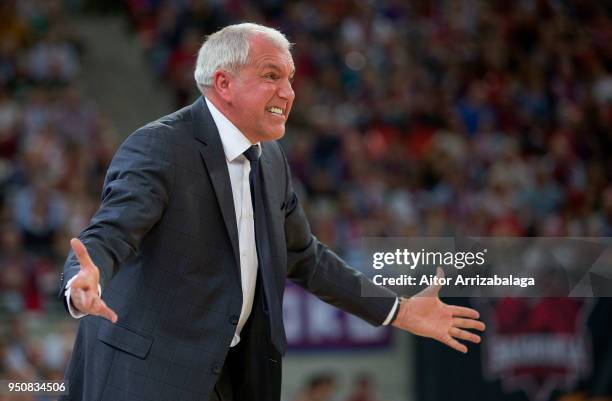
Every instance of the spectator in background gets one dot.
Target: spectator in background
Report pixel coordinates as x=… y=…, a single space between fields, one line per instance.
x=14 y=268
x=364 y=389
x=17 y=354
x=52 y=59
x=320 y=387
x=179 y=70
x=9 y=125
x=40 y=213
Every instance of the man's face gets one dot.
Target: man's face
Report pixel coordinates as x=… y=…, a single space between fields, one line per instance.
x=261 y=93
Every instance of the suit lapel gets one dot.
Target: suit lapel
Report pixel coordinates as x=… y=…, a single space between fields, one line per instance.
x=213 y=155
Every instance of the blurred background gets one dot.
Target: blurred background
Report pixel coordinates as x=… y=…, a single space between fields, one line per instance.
x=412 y=118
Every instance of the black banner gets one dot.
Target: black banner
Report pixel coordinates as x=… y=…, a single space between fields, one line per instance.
x=534 y=349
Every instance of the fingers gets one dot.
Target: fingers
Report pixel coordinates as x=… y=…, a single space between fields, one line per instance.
x=85 y=281
x=460 y=311
x=81 y=281
x=434 y=289
x=451 y=342
x=440 y=275
x=464 y=335
x=468 y=324
x=100 y=308
x=81 y=253
x=457 y=332
x=88 y=301
x=81 y=298
x=84 y=288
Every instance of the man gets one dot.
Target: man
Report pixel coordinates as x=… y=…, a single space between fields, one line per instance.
x=198 y=229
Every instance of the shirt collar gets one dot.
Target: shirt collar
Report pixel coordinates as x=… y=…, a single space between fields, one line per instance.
x=234 y=142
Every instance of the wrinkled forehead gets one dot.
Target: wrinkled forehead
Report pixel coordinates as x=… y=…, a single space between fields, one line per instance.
x=263 y=51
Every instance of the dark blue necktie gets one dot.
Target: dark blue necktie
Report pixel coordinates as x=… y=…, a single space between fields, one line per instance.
x=252 y=154
x=270 y=300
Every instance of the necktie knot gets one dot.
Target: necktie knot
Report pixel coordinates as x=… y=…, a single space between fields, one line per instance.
x=252 y=153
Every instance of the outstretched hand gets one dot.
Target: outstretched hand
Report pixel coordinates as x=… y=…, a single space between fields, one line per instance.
x=84 y=293
x=425 y=315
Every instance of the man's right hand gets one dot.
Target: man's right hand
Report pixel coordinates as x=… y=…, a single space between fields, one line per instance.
x=84 y=293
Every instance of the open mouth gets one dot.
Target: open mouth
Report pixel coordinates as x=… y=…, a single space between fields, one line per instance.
x=275 y=110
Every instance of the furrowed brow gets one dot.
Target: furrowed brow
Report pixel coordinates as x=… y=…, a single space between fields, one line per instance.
x=270 y=66
x=277 y=69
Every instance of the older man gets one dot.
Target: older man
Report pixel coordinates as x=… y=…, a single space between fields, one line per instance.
x=198 y=229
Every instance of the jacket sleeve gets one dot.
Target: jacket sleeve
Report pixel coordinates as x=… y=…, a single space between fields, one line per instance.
x=317 y=269
x=136 y=190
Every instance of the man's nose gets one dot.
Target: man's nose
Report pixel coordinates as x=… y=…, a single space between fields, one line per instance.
x=286 y=91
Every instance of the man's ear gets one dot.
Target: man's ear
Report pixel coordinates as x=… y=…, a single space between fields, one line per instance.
x=221 y=83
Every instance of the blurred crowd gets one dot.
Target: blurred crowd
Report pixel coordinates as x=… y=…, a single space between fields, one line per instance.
x=54 y=149
x=430 y=117
x=323 y=386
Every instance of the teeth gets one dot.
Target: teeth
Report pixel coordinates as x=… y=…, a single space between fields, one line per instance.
x=276 y=110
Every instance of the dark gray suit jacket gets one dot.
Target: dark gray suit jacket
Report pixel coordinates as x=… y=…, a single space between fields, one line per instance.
x=165 y=240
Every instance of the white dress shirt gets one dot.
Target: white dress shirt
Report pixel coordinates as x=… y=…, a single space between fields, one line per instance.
x=234 y=145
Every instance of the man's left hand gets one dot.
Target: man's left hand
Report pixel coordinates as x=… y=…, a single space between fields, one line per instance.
x=425 y=315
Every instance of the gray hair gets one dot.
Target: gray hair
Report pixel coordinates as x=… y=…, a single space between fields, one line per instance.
x=228 y=49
